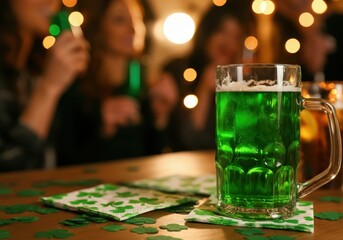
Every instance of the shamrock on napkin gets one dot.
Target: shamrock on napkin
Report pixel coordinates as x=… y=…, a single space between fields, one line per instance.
x=205 y=185
x=302 y=221
x=115 y=202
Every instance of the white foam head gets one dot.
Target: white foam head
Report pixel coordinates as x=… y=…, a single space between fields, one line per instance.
x=283 y=78
x=247 y=86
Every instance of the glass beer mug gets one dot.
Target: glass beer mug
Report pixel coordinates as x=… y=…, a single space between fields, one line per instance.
x=258 y=140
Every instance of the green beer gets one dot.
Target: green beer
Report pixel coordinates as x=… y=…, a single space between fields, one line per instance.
x=257 y=136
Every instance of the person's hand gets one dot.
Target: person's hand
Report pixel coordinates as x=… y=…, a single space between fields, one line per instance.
x=66 y=59
x=315 y=49
x=164 y=96
x=118 y=112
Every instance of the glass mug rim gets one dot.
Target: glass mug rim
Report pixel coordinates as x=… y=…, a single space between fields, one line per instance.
x=260 y=65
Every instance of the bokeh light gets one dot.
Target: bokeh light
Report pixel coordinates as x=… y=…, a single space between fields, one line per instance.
x=190 y=101
x=76 y=19
x=69 y=3
x=267 y=7
x=48 y=42
x=190 y=74
x=219 y=3
x=179 y=28
x=54 y=30
x=319 y=6
x=306 y=19
x=256 y=6
x=251 y=43
x=292 y=45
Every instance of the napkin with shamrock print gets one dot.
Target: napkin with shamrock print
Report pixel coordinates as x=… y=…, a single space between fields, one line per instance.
x=115 y=202
x=302 y=221
x=205 y=185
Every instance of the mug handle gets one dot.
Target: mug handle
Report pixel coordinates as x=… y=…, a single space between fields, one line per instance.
x=335 y=146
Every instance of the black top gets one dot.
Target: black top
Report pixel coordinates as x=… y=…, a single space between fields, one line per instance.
x=78 y=138
x=333 y=67
x=20 y=147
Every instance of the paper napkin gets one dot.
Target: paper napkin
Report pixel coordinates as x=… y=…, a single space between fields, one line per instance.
x=115 y=202
x=302 y=221
x=205 y=185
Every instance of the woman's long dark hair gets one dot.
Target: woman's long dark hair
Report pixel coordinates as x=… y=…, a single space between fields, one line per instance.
x=10 y=41
x=93 y=12
x=209 y=25
x=9 y=38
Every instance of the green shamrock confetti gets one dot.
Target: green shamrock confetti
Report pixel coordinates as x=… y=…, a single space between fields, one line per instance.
x=5 y=191
x=143 y=230
x=94 y=219
x=25 y=219
x=75 y=222
x=30 y=193
x=304 y=203
x=331 y=199
x=331 y=216
x=141 y=220
x=121 y=209
x=173 y=227
x=162 y=238
x=249 y=231
x=4 y=234
x=90 y=194
x=59 y=196
x=20 y=208
x=201 y=212
x=55 y=233
x=107 y=187
x=45 y=210
x=281 y=238
x=256 y=238
x=112 y=204
x=82 y=201
x=83 y=220
x=4 y=222
x=61 y=183
x=182 y=209
x=126 y=194
x=152 y=201
x=113 y=228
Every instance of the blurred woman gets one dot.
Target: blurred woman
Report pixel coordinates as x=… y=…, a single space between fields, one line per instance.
x=105 y=116
x=29 y=91
x=218 y=41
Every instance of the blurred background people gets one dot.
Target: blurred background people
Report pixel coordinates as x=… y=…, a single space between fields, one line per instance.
x=217 y=41
x=316 y=42
x=106 y=115
x=31 y=83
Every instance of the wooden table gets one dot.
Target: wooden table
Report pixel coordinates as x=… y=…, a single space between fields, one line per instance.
x=187 y=163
